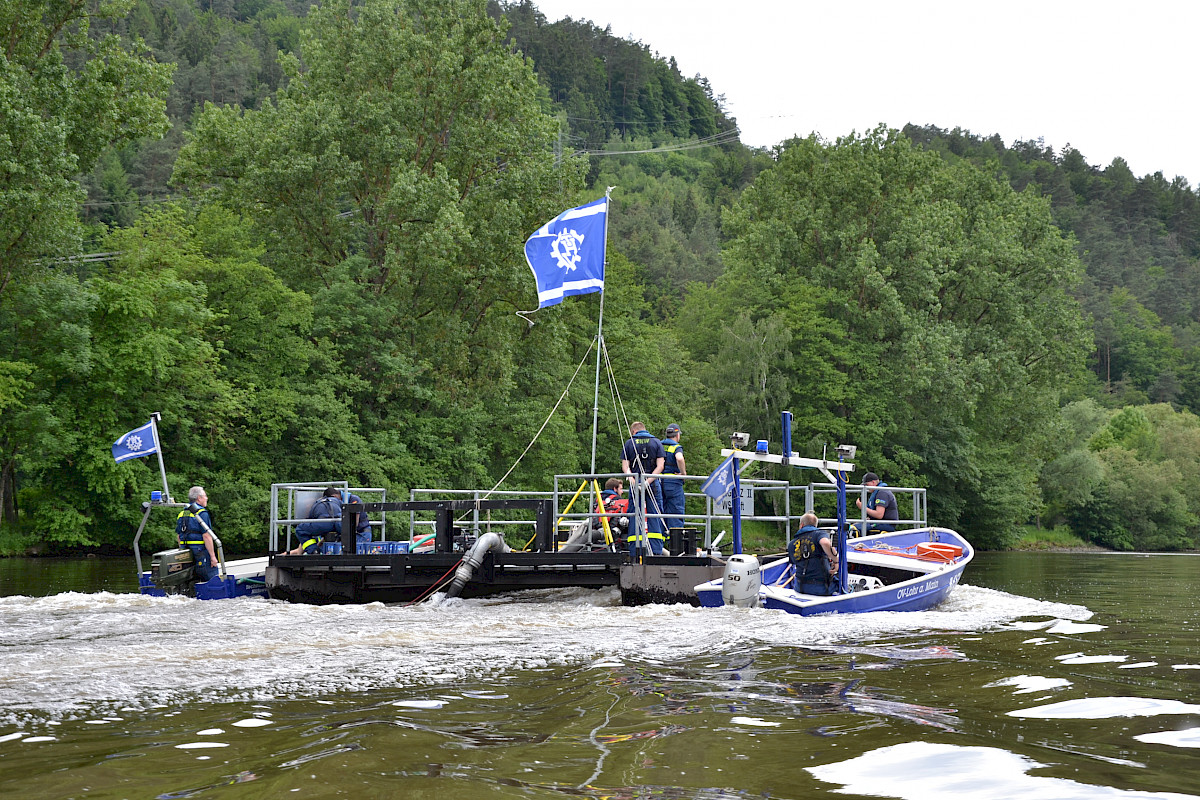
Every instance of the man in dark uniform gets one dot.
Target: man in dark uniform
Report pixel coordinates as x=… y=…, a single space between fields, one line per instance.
x=672 y=488
x=880 y=505
x=362 y=528
x=643 y=455
x=328 y=510
x=811 y=553
x=193 y=528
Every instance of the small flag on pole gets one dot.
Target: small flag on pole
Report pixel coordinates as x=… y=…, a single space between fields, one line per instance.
x=720 y=483
x=567 y=253
x=137 y=443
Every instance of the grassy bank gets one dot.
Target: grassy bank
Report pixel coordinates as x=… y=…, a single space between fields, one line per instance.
x=1058 y=538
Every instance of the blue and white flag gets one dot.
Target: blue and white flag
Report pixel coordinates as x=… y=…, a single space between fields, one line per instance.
x=567 y=253
x=720 y=483
x=135 y=444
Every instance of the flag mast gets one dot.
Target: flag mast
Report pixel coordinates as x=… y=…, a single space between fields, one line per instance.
x=600 y=334
x=154 y=417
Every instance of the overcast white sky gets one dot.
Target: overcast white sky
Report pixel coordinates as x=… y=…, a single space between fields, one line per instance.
x=1111 y=79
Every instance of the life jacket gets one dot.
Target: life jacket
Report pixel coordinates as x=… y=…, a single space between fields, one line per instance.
x=614 y=503
x=875 y=494
x=670 y=465
x=189 y=528
x=807 y=555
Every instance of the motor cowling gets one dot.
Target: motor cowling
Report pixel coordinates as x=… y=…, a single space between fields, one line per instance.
x=741 y=581
x=173 y=571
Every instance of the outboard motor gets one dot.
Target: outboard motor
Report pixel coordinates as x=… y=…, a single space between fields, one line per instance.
x=174 y=571
x=741 y=581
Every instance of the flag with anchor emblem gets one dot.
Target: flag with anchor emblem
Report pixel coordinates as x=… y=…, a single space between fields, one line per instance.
x=135 y=444
x=567 y=253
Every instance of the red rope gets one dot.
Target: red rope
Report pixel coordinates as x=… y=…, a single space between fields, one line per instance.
x=433 y=587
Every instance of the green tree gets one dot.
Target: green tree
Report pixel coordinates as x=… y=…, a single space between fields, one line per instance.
x=395 y=180
x=952 y=292
x=65 y=95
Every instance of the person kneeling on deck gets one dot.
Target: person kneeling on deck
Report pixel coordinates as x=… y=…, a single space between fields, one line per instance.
x=193 y=528
x=328 y=509
x=813 y=557
x=613 y=501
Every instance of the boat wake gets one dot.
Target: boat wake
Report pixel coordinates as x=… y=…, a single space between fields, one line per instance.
x=72 y=655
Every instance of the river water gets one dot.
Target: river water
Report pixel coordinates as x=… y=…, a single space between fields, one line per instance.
x=1056 y=676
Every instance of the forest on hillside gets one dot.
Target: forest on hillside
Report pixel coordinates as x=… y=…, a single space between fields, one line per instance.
x=298 y=234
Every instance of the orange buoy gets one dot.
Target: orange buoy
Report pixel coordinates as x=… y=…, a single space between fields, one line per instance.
x=938 y=551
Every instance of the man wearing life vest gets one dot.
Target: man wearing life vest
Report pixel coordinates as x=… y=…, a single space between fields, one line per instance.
x=193 y=529
x=672 y=488
x=812 y=554
x=643 y=456
x=328 y=512
x=880 y=505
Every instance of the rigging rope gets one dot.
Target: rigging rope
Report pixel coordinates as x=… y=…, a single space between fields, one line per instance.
x=549 y=416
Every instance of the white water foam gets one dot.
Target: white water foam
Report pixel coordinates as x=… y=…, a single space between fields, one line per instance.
x=61 y=655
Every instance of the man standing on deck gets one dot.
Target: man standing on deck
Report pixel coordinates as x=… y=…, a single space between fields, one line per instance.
x=672 y=488
x=193 y=529
x=880 y=505
x=643 y=455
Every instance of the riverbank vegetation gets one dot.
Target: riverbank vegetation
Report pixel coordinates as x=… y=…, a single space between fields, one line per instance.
x=299 y=237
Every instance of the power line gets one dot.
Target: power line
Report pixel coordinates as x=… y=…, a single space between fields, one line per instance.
x=711 y=141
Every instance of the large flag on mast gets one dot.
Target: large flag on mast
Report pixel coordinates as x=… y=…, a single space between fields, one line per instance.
x=567 y=253
x=138 y=443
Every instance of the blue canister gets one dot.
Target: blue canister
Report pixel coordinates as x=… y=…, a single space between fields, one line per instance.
x=156 y=497
x=762 y=446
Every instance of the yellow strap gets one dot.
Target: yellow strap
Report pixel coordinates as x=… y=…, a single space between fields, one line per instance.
x=608 y=537
x=567 y=510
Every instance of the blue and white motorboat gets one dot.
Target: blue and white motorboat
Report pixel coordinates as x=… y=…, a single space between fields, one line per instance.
x=906 y=570
x=909 y=570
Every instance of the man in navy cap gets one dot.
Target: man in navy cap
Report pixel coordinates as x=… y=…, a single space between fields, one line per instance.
x=672 y=488
x=880 y=505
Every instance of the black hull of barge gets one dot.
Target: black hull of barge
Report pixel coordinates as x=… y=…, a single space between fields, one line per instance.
x=405 y=577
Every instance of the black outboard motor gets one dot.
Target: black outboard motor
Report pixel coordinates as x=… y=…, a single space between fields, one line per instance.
x=174 y=571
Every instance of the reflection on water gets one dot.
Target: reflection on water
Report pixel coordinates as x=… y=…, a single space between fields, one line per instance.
x=927 y=771
x=105 y=694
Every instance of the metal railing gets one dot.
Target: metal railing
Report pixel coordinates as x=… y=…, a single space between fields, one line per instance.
x=303 y=489
x=567 y=487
